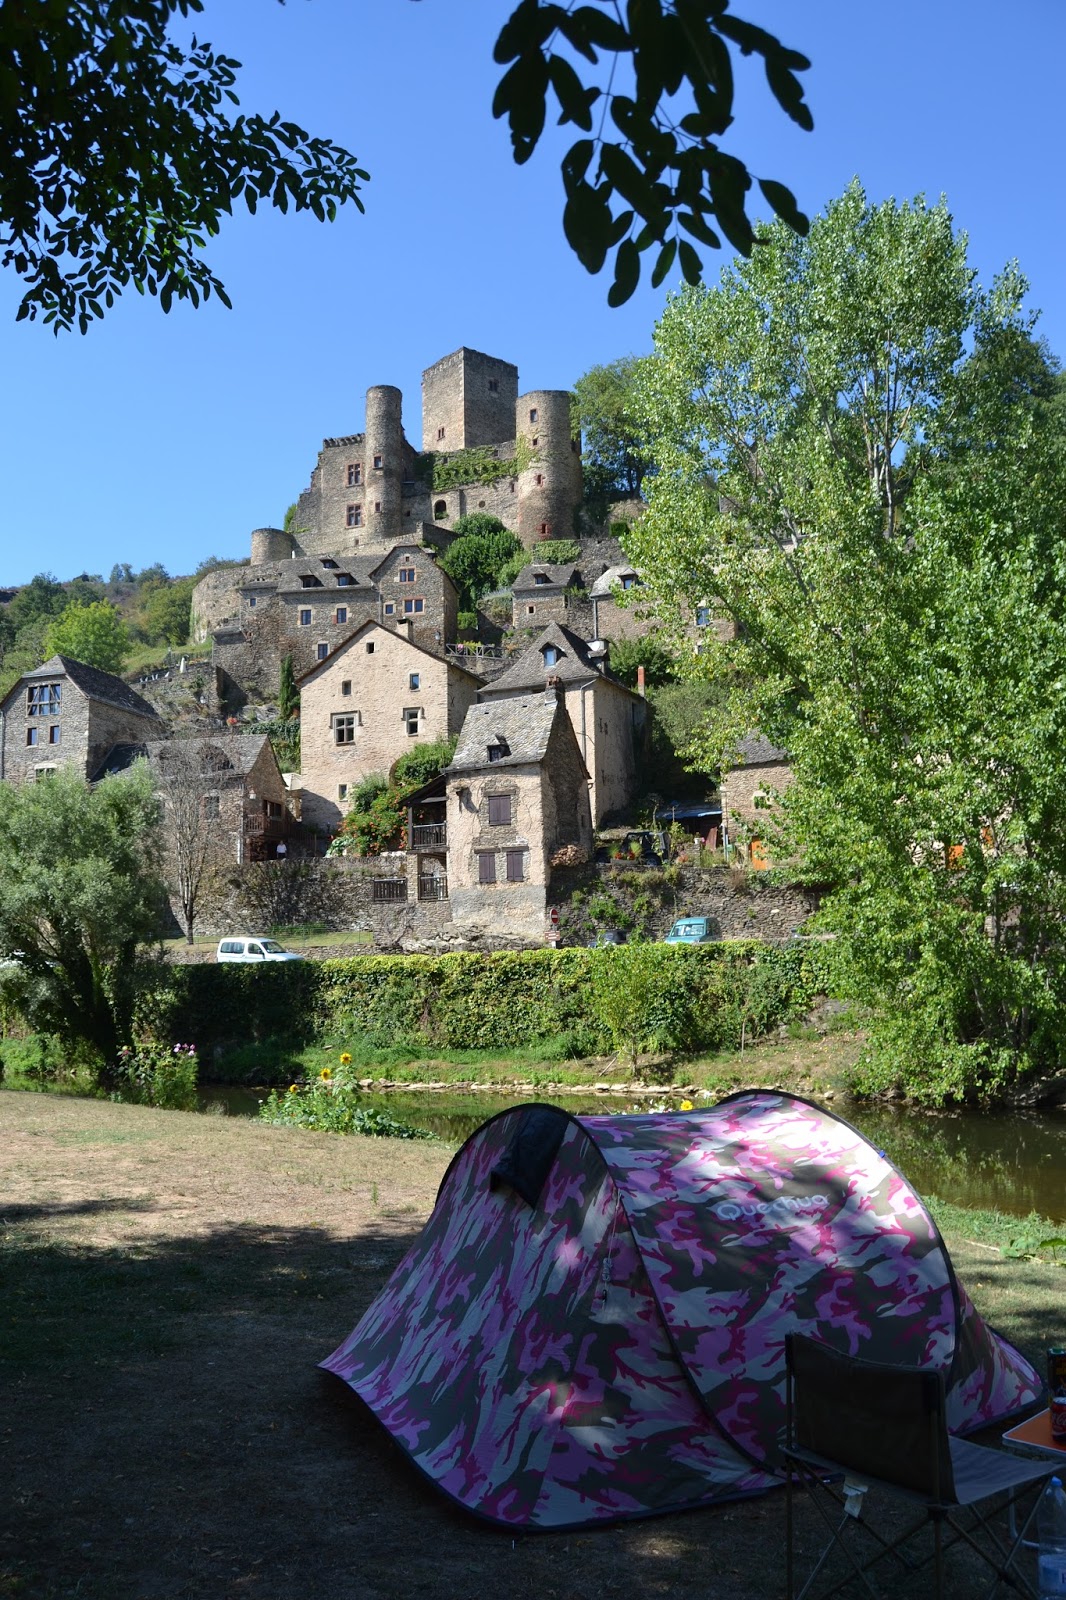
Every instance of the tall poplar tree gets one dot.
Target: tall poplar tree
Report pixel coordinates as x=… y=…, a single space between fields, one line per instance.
x=859 y=462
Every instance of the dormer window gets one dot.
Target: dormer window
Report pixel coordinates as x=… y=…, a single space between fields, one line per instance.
x=309 y=581
x=550 y=654
x=541 y=577
x=327 y=561
x=499 y=750
x=630 y=580
x=344 y=580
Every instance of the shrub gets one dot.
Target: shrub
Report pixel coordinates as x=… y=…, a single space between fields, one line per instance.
x=334 y=1106
x=154 y=1074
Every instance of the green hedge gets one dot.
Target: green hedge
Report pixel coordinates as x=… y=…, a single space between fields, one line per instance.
x=701 y=997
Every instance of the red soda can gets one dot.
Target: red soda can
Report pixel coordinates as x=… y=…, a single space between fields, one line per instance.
x=1058 y=1418
x=1056 y=1369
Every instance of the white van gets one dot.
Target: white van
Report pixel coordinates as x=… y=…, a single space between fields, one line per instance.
x=254 y=948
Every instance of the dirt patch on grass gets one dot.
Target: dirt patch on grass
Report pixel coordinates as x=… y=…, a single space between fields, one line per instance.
x=169 y=1283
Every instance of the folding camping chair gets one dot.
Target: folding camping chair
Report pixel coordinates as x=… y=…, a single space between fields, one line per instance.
x=855 y=1424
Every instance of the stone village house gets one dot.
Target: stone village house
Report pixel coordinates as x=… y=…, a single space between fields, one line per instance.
x=366 y=704
x=747 y=793
x=517 y=792
x=609 y=720
x=66 y=714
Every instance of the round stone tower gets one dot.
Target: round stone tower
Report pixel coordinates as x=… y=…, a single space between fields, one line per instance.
x=383 y=467
x=549 y=489
x=270 y=544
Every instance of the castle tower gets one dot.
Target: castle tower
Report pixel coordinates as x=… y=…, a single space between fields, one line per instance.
x=549 y=489
x=271 y=544
x=383 y=466
x=468 y=399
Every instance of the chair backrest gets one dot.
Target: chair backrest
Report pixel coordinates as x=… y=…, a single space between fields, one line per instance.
x=885 y=1421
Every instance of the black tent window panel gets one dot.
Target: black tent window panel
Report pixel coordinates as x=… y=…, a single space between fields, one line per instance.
x=531 y=1153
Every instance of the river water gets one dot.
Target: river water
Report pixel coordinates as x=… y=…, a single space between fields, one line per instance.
x=1012 y=1163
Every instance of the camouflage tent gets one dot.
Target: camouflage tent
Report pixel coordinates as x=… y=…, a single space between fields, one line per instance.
x=592 y=1323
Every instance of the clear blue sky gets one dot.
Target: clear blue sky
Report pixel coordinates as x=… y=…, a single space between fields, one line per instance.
x=170 y=437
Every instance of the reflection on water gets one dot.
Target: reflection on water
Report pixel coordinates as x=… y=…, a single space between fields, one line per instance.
x=1014 y=1163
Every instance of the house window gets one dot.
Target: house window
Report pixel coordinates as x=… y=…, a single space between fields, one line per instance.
x=31 y=735
x=53 y=733
x=410 y=721
x=498 y=751
x=499 y=810
x=344 y=726
x=212 y=807
x=486 y=866
x=533 y=414
x=273 y=809
x=354 y=517
x=414 y=680
x=321 y=650
x=539 y=479
x=252 y=601
x=40 y=773
x=342 y=613
x=44 y=700
x=544 y=530
x=703 y=616
x=344 y=580
x=440 y=508
x=494 y=386
x=440 y=433
x=550 y=654
x=516 y=866
x=416 y=606
x=377 y=463
x=370 y=647
x=329 y=563
x=355 y=475
x=630 y=581
x=309 y=581
x=390 y=609
x=535 y=443
x=541 y=577
x=346 y=686
x=377 y=505
x=407 y=574
x=305 y=619
x=342 y=791
x=530 y=610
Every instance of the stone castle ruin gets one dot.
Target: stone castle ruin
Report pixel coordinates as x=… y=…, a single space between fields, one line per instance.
x=485 y=448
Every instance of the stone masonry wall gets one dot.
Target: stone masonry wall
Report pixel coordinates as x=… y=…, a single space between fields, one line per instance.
x=741 y=905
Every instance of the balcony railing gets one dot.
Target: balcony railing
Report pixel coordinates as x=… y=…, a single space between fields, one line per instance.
x=429 y=836
x=389 y=889
x=432 y=887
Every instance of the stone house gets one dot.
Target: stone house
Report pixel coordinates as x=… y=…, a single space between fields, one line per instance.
x=304 y=608
x=610 y=618
x=226 y=788
x=609 y=720
x=67 y=714
x=517 y=792
x=747 y=793
x=543 y=593
x=365 y=705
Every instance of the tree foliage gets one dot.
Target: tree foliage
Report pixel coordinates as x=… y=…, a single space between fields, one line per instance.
x=80 y=901
x=649 y=165
x=192 y=777
x=612 y=457
x=120 y=153
x=479 y=554
x=94 y=633
x=859 y=460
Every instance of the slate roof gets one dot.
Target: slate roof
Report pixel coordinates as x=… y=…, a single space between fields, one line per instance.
x=558 y=577
x=241 y=750
x=601 y=589
x=523 y=723
x=755 y=750
x=575 y=664
x=94 y=684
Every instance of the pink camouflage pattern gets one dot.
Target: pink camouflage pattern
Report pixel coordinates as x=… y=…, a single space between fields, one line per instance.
x=618 y=1349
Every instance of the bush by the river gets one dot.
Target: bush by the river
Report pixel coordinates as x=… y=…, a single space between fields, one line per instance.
x=628 y=998
x=333 y=1104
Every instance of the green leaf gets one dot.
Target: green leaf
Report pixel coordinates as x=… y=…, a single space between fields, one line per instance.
x=626 y=273
x=664 y=263
x=784 y=204
x=690 y=262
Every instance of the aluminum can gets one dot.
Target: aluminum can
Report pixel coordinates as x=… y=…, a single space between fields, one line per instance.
x=1058 y=1418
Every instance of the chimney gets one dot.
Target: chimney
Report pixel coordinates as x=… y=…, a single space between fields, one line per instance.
x=640 y=681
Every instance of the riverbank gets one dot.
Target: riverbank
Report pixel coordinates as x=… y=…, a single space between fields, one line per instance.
x=170 y=1282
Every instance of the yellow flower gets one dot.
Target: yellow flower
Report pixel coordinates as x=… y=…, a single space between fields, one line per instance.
x=686 y=1105
x=346 y=1060
x=326 y=1074
x=293 y=1089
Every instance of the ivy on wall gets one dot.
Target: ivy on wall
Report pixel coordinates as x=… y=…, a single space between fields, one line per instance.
x=480 y=464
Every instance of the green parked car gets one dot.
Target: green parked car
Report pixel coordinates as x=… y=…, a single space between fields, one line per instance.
x=691 y=930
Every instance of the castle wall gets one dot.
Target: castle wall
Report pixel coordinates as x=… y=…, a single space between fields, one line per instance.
x=468 y=399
